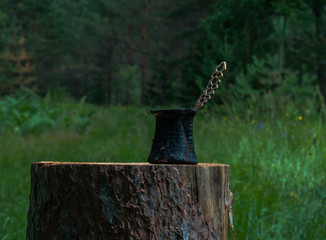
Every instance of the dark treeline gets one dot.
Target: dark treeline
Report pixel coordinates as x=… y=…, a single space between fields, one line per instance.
x=163 y=51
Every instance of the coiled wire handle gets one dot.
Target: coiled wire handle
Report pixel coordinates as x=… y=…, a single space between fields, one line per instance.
x=212 y=85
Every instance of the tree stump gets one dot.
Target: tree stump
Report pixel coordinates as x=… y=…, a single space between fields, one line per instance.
x=119 y=201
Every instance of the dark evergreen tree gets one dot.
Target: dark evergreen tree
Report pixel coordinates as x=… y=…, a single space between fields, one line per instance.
x=162 y=52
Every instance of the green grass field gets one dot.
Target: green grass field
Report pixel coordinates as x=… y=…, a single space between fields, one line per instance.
x=278 y=164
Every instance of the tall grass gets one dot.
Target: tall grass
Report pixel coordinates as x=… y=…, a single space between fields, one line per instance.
x=277 y=162
x=277 y=171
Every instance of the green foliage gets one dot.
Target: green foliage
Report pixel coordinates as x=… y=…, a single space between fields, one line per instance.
x=6 y=77
x=80 y=116
x=276 y=163
x=270 y=127
x=25 y=115
x=28 y=113
x=97 y=48
x=126 y=85
x=264 y=75
x=270 y=47
x=276 y=169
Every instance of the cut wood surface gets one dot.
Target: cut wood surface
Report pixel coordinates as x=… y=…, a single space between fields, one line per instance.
x=128 y=201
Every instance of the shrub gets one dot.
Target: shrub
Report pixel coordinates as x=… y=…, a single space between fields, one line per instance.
x=28 y=113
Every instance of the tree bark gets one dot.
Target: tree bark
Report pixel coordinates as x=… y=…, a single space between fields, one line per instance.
x=108 y=85
x=144 y=50
x=128 y=201
x=318 y=9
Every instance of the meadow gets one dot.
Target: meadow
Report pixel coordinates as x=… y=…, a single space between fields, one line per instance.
x=277 y=158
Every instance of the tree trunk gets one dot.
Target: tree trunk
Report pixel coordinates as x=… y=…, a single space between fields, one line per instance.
x=166 y=75
x=179 y=74
x=317 y=7
x=144 y=51
x=128 y=201
x=108 y=85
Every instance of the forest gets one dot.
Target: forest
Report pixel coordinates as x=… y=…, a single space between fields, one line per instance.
x=78 y=80
x=162 y=52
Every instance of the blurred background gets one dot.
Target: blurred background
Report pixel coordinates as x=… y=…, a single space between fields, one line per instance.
x=161 y=52
x=78 y=78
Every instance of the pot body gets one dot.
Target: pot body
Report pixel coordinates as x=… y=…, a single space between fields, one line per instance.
x=173 y=138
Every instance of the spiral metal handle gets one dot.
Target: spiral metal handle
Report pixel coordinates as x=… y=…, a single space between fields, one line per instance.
x=212 y=86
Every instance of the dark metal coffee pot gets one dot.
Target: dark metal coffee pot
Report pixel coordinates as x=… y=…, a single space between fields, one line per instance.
x=173 y=139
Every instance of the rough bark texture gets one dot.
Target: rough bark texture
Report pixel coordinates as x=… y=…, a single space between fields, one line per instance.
x=128 y=201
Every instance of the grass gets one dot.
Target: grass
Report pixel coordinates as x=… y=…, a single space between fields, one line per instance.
x=277 y=161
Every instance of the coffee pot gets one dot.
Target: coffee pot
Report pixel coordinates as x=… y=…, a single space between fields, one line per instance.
x=173 y=139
